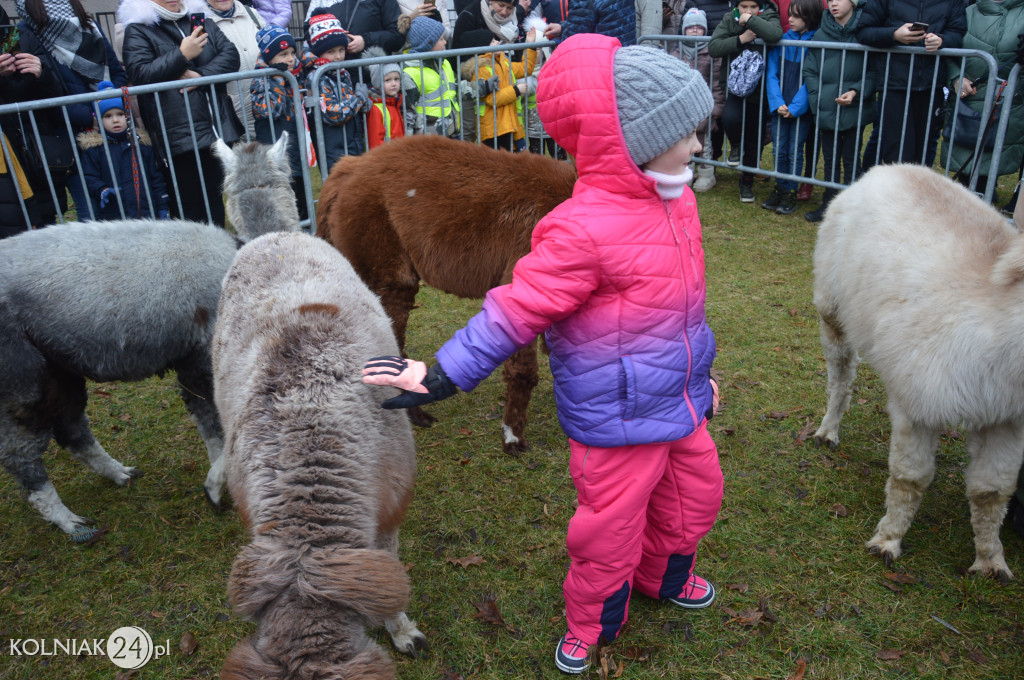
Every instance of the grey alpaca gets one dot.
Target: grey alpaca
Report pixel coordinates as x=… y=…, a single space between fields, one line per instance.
x=320 y=474
x=109 y=301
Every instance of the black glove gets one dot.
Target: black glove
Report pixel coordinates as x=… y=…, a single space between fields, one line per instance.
x=394 y=371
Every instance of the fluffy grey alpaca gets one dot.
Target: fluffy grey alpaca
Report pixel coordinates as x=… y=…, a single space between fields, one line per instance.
x=112 y=301
x=320 y=473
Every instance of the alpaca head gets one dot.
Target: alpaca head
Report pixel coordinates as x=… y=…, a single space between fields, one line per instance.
x=257 y=185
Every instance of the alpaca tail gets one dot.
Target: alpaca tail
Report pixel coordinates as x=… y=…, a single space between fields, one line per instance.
x=372 y=583
x=246 y=663
x=330 y=195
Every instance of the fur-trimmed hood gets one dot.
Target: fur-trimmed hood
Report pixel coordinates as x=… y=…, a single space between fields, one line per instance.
x=92 y=139
x=470 y=66
x=144 y=11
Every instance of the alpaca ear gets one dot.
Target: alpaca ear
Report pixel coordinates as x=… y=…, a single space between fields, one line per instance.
x=278 y=154
x=225 y=154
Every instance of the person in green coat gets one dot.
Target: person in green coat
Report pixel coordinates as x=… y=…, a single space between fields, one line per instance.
x=742 y=117
x=993 y=27
x=841 y=96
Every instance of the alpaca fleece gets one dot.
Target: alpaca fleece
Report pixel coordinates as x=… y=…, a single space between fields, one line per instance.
x=320 y=473
x=120 y=300
x=455 y=215
x=936 y=305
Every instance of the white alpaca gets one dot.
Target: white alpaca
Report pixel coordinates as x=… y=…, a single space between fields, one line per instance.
x=926 y=282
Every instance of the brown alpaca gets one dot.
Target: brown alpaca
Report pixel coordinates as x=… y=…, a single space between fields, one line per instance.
x=454 y=215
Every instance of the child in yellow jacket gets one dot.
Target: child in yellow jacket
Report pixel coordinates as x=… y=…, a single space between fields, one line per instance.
x=498 y=121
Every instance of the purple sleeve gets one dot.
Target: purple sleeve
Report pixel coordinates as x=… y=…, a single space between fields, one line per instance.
x=276 y=12
x=482 y=345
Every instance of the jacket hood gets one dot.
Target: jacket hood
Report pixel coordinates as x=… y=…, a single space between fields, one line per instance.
x=144 y=11
x=92 y=139
x=830 y=28
x=576 y=102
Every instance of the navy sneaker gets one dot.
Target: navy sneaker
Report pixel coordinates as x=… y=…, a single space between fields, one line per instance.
x=697 y=594
x=571 y=655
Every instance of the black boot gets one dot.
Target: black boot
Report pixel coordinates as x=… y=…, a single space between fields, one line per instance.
x=774 y=199
x=819 y=214
x=788 y=204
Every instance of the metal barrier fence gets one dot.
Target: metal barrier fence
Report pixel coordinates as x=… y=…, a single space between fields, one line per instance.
x=880 y=61
x=21 y=121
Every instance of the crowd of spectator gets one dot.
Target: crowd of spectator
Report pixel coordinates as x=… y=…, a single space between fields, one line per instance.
x=809 y=103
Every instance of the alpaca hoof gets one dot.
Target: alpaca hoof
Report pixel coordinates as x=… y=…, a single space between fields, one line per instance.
x=420 y=418
x=996 y=568
x=415 y=646
x=1004 y=577
x=824 y=440
x=86 y=535
x=512 y=444
x=135 y=473
x=883 y=549
x=215 y=504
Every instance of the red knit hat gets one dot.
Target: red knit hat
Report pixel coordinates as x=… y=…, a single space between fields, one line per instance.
x=324 y=32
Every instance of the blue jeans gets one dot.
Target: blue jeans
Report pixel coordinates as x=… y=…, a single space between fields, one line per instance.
x=788 y=137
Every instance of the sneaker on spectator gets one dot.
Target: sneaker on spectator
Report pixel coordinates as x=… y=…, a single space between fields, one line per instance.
x=705 y=178
x=805 y=191
x=734 y=157
x=697 y=594
x=774 y=199
x=747 y=190
x=571 y=655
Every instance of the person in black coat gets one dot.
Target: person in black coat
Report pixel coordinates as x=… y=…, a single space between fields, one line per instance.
x=160 y=46
x=25 y=200
x=912 y=102
x=368 y=22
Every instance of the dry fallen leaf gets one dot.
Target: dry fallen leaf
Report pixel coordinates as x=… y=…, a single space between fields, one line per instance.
x=126 y=675
x=188 y=643
x=839 y=510
x=890 y=654
x=466 y=561
x=977 y=657
x=801 y=667
x=739 y=587
x=777 y=415
x=465 y=431
x=900 y=578
x=487 y=610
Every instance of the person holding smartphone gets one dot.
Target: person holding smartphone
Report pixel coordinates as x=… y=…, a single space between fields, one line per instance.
x=169 y=40
x=910 y=84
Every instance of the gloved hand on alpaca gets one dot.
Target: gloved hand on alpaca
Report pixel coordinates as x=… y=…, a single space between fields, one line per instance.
x=419 y=384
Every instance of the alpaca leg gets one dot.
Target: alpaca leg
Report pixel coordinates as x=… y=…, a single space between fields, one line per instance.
x=991 y=478
x=67 y=399
x=398 y=299
x=841 y=363
x=406 y=637
x=22 y=456
x=911 y=469
x=196 y=383
x=520 y=373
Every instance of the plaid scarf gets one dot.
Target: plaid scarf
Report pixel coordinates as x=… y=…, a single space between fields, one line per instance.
x=81 y=49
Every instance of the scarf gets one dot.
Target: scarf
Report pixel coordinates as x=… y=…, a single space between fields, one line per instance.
x=505 y=30
x=167 y=14
x=690 y=52
x=80 y=48
x=226 y=14
x=19 y=173
x=671 y=186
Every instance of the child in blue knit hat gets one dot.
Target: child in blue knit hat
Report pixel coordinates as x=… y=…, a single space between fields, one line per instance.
x=131 y=172
x=273 y=111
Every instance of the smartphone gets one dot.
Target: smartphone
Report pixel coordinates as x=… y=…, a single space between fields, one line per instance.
x=10 y=39
x=429 y=2
x=196 y=19
x=918 y=26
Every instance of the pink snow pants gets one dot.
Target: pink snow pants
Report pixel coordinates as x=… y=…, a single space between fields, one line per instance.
x=642 y=511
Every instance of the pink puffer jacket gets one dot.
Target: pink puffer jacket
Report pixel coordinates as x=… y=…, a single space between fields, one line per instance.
x=615 y=277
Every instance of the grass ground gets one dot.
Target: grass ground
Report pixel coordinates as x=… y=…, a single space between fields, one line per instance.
x=799 y=597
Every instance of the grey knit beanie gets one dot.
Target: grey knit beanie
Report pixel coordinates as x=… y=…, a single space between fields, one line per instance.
x=661 y=100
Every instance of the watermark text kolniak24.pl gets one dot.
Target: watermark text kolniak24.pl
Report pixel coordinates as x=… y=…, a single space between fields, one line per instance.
x=127 y=647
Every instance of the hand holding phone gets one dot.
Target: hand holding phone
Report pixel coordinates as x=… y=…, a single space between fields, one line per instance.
x=918 y=27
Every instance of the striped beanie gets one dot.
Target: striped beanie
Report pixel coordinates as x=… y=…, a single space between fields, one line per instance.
x=324 y=32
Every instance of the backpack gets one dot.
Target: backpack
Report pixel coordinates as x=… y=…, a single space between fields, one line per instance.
x=745 y=73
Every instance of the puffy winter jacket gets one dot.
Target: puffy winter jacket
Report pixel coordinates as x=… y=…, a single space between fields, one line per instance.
x=725 y=41
x=98 y=176
x=881 y=18
x=615 y=18
x=151 y=55
x=830 y=73
x=784 y=75
x=615 y=277
x=992 y=27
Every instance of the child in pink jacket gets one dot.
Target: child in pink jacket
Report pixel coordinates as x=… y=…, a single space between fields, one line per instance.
x=615 y=280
